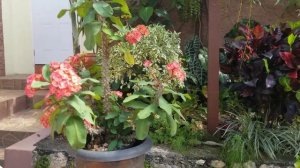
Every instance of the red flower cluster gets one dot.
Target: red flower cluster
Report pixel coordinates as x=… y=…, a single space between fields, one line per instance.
x=45 y=118
x=64 y=80
x=174 y=69
x=29 y=91
x=74 y=60
x=136 y=34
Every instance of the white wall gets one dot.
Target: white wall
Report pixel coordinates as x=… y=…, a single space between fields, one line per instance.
x=17 y=32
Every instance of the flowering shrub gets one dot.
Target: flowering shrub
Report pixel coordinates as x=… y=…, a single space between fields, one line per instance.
x=73 y=106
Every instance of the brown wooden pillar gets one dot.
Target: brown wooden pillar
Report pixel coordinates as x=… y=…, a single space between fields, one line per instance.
x=2 y=61
x=214 y=40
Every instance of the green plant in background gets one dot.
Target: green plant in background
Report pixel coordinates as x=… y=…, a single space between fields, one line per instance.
x=297 y=163
x=43 y=162
x=189 y=9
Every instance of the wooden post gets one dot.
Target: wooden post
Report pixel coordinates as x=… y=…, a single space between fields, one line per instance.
x=214 y=39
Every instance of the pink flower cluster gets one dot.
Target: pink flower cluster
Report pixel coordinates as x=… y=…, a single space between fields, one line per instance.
x=174 y=69
x=45 y=118
x=64 y=80
x=74 y=60
x=29 y=91
x=118 y=93
x=136 y=34
x=147 y=63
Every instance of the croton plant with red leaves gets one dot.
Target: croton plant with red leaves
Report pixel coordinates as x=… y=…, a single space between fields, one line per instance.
x=263 y=62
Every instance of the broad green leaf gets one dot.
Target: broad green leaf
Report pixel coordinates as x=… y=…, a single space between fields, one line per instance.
x=98 y=90
x=91 y=30
x=142 y=128
x=39 y=84
x=164 y=104
x=103 y=9
x=173 y=125
x=148 y=90
x=39 y=104
x=298 y=95
x=177 y=110
x=89 y=18
x=129 y=58
x=111 y=115
x=84 y=111
x=136 y=105
x=117 y=21
x=90 y=79
x=130 y=98
x=145 y=13
x=84 y=8
x=294 y=25
x=62 y=13
x=291 y=39
x=124 y=116
x=61 y=120
x=75 y=132
x=124 y=6
x=146 y=112
x=107 y=31
x=46 y=72
x=94 y=95
x=285 y=82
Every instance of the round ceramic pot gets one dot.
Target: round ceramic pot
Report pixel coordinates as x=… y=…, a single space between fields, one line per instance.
x=133 y=157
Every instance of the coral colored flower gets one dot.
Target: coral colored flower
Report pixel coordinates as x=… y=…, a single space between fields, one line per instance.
x=29 y=91
x=175 y=70
x=133 y=37
x=64 y=81
x=74 y=60
x=147 y=63
x=54 y=66
x=118 y=93
x=45 y=118
x=143 y=30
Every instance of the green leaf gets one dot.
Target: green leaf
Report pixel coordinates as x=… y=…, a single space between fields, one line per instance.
x=298 y=95
x=113 y=145
x=89 y=18
x=39 y=104
x=266 y=65
x=146 y=112
x=164 y=104
x=136 y=105
x=46 y=72
x=117 y=21
x=173 y=125
x=177 y=110
x=142 y=128
x=124 y=6
x=98 y=90
x=111 y=115
x=75 y=132
x=61 y=120
x=94 y=95
x=84 y=111
x=145 y=13
x=130 y=98
x=123 y=116
x=128 y=57
x=84 y=8
x=91 y=30
x=103 y=9
x=39 y=84
x=107 y=31
x=285 y=82
x=291 y=39
x=90 y=79
x=62 y=13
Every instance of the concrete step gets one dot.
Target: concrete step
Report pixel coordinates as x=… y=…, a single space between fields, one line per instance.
x=19 y=126
x=12 y=101
x=13 y=82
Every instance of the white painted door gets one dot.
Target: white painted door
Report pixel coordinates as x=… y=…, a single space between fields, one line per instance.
x=52 y=37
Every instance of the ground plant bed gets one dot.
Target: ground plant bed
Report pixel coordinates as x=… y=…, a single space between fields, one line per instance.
x=56 y=153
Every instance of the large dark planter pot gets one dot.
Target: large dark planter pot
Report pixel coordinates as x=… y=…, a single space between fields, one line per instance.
x=133 y=157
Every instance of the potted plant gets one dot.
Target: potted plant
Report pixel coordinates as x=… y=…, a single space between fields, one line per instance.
x=105 y=110
x=263 y=64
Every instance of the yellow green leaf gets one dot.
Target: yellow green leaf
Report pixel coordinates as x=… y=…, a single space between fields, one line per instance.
x=129 y=58
x=117 y=21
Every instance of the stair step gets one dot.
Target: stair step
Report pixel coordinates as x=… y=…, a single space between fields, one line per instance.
x=12 y=101
x=19 y=126
x=13 y=82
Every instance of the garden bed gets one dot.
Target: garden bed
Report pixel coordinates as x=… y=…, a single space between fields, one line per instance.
x=57 y=153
